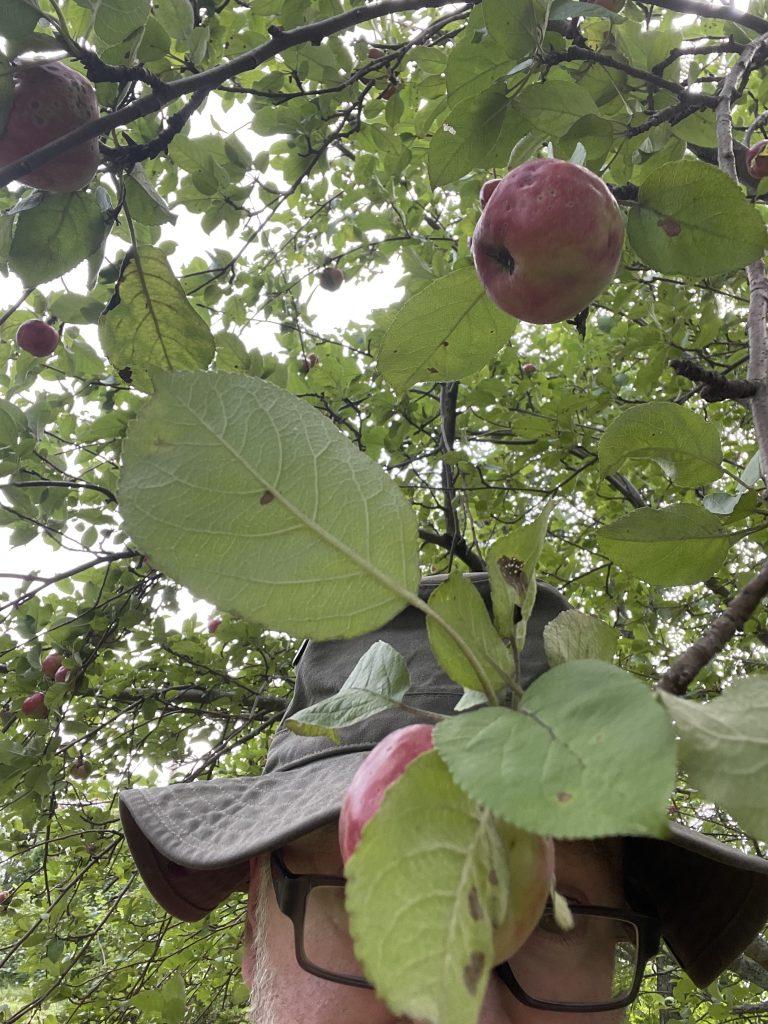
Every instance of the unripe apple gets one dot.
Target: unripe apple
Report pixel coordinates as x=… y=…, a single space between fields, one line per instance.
x=331 y=278
x=548 y=241
x=51 y=664
x=214 y=623
x=486 y=191
x=50 y=100
x=385 y=763
x=528 y=369
x=81 y=769
x=37 y=337
x=34 y=706
x=757 y=160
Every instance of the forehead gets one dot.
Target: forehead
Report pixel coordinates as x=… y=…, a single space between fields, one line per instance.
x=588 y=870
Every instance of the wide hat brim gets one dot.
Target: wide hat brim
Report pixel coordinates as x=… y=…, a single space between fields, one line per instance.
x=193 y=842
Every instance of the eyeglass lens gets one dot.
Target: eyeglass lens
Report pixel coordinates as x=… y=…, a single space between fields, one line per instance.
x=594 y=962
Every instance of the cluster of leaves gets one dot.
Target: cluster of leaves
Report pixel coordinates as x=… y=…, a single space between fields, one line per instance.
x=295 y=146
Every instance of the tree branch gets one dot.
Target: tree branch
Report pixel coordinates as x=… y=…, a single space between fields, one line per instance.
x=713 y=640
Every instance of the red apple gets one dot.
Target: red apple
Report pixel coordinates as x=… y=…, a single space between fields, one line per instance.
x=531 y=858
x=548 y=241
x=61 y=675
x=5 y=895
x=50 y=100
x=214 y=623
x=37 y=337
x=306 y=364
x=33 y=706
x=757 y=160
x=51 y=664
x=486 y=191
x=331 y=278
x=385 y=763
x=528 y=369
x=374 y=52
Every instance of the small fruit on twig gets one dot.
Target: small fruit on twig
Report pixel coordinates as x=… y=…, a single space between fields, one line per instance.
x=50 y=100
x=548 y=241
x=331 y=278
x=51 y=664
x=757 y=160
x=528 y=369
x=5 y=895
x=34 y=706
x=213 y=624
x=308 y=361
x=81 y=768
x=375 y=52
x=62 y=674
x=37 y=337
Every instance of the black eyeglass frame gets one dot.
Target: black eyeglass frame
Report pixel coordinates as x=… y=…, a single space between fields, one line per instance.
x=292 y=890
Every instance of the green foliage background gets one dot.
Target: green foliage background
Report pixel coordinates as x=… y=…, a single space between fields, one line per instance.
x=283 y=131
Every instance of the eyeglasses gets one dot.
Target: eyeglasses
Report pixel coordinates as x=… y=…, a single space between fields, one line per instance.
x=597 y=965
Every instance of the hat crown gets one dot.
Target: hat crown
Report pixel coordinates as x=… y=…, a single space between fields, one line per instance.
x=324 y=666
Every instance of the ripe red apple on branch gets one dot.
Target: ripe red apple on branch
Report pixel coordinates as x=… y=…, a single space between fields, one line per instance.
x=34 y=706
x=757 y=160
x=548 y=241
x=50 y=100
x=531 y=857
x=331 y=279
x=37 y=337
x=51 y=664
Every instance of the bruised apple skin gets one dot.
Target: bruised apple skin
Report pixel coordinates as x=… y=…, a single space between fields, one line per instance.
x=531 y=858
x=548 y=241
x=50 y=100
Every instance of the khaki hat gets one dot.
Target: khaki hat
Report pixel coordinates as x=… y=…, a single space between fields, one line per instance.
x=192 y=842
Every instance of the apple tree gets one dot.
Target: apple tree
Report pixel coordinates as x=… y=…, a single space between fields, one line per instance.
x=204 y=189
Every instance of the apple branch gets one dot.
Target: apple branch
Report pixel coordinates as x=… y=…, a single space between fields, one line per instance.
x=713 y=640
x=163 y=94
x=721 y=13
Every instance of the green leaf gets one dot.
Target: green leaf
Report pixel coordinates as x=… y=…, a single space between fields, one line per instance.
x=692 y=219
x=554 y=106
x=460 y=604
x=566 y=763
x=516 y=25
x=447 y=331
x=177 y=18
x=174 y=999
x=724 y=749
x=232 y=486
x=427 y=954
x=116 y=19
x=378 y=682
x=574 y=636
x=17 y=19
x=144 y=202
x=154 y=324
x=13 y=424
x=54 y=235
x=684 y=445
x=668 y=547
x=471 y=128
x=512 y=572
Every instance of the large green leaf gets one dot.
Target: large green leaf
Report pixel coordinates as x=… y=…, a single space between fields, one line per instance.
x=668 y=547
x=680 y=441
x=471 y=128
x=459 y=603
x=256 y=502
x=445 y=332
x=566 y=764
x=154 y=324
x=724 y=749
x=692 y=219
x=574 y=636
x=116 y=19
x=55 y=234
x=18 y=19
x=516 y=25
x=555 y=106
x=431 y=875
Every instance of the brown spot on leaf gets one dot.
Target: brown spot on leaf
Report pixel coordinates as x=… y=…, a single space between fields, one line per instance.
x=266 y=497
x=670 y=226
x=473 y=972
x=564 y=797
x=475 y=909
x=493 y=878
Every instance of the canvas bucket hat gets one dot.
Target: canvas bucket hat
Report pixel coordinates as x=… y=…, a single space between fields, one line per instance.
x=192 y=842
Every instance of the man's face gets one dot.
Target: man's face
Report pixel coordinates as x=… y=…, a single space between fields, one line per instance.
x=284 y=993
